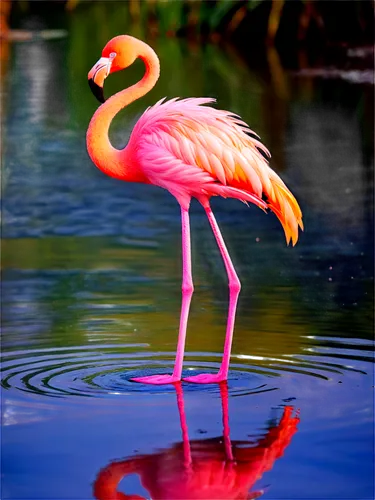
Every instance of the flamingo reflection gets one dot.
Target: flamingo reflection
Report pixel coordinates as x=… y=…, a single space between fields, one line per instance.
x=215 y=468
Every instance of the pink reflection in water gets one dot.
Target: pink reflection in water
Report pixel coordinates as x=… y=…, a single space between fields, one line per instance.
x=202 y=469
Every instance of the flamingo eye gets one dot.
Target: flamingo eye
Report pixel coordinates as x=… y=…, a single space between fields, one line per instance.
x=112 y=55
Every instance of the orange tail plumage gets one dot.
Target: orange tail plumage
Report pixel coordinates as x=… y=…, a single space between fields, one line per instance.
x=281 y=201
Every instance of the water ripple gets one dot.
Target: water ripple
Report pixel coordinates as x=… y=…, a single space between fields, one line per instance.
x=107 y=371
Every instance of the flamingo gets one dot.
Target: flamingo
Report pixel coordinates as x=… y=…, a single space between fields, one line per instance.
x=209 y=468
x=193 y=151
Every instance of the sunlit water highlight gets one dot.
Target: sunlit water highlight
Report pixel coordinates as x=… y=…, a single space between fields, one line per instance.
x=107 y=370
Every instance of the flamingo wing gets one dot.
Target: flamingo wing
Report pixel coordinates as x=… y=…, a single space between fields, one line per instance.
x=199 y=150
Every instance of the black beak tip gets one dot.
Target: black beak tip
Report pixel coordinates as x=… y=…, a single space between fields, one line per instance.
x=97 y=90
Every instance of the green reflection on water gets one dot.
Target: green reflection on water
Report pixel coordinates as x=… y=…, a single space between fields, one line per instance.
x=137 y=293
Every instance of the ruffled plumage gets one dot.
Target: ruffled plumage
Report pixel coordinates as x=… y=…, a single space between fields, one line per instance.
x=196 y=150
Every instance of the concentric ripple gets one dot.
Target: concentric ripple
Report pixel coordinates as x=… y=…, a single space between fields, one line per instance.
x=104 y=371
x=107 y=371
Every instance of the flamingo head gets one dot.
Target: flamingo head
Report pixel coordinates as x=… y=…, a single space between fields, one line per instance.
x=119 y=53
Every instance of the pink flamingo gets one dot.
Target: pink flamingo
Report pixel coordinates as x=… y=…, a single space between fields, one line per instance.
x=192 y=151
x=202 y=469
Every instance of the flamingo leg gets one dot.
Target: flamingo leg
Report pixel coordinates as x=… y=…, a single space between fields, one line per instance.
x=234 y=290
x=184 y=427
x=187 y=292
x=226 y=428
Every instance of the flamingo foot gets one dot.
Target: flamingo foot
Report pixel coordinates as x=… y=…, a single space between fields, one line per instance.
x=157 y=379
x=206 y=378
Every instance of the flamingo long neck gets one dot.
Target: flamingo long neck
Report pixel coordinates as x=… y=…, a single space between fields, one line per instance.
x=110 y=160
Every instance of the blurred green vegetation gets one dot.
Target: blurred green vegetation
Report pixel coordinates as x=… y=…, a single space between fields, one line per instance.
x=247 y=21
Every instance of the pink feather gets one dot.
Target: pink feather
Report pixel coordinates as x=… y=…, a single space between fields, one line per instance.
x=198 y=151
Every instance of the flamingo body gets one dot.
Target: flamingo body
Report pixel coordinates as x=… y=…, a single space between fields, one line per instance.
x=192 y=150
x=199 y=151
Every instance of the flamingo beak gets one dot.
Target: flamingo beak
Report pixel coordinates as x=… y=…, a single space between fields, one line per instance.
x=97 y=74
